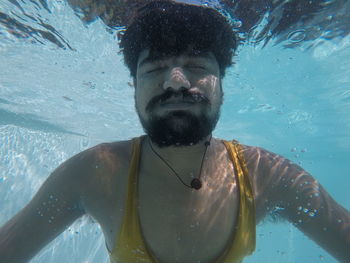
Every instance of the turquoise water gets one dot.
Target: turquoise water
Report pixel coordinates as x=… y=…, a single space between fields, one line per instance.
x=56 y=101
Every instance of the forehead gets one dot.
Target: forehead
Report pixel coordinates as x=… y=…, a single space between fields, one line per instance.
x=146 y=56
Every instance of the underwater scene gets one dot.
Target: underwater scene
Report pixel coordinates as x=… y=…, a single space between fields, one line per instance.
x=64 y=88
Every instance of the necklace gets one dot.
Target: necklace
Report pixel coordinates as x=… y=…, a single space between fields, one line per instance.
x=196 y=183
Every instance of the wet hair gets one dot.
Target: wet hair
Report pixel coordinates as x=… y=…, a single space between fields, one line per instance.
x=171 y=29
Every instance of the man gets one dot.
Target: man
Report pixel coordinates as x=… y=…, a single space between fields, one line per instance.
x=177 y=194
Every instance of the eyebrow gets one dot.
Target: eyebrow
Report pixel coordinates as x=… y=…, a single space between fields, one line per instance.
x=151 y=59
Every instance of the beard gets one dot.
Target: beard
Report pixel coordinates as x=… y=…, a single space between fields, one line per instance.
x=179 y=127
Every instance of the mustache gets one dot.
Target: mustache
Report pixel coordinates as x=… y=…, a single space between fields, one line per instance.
x=195 y=97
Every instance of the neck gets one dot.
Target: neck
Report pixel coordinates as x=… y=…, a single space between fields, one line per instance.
x=188 y=156
x=178 y=151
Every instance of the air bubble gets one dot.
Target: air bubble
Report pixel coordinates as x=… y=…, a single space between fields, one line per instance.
x=297 y=36
x=238 y=23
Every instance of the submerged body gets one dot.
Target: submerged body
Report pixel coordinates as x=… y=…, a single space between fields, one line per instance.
x=178 y=224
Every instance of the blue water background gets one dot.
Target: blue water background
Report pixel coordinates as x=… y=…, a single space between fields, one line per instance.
x=57 y=102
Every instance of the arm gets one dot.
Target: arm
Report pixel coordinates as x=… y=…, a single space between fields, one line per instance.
x=300 y=199
x=55 y=206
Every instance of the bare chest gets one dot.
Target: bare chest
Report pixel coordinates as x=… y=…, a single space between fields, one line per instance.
x=178 y=224
x=188 y=225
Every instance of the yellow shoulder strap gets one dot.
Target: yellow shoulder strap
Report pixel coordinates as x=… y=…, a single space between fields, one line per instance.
x=130 y=246
x=244 y=239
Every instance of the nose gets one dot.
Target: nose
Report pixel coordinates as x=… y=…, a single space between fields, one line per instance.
x=176 y=80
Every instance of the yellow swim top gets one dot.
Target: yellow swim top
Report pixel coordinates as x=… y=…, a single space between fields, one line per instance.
x=130 y=245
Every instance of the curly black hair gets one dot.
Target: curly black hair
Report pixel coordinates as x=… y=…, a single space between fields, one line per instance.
x=167 y=28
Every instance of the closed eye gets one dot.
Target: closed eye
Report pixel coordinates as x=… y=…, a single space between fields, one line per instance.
x=154 y=70
x=196 y=66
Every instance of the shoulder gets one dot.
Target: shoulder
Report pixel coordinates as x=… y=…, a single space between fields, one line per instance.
x=275 y=179
x=102 y=154
x=105 y=153
x=270 y=170
x=263 y=163
x=89 y=165
x=95 y=173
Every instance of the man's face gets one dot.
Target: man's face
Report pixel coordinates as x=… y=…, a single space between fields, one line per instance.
x=178 y=98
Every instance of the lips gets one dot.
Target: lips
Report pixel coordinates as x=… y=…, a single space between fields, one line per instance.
x=178 y=102
x=180 y=99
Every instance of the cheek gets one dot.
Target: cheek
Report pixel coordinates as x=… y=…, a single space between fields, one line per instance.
x=211 y=86
x=138 y=99
x=143 y=95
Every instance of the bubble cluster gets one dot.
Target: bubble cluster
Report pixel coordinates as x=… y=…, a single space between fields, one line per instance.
x=309 y=212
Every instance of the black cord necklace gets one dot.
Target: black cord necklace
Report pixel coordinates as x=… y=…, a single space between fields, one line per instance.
x=196 y=183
